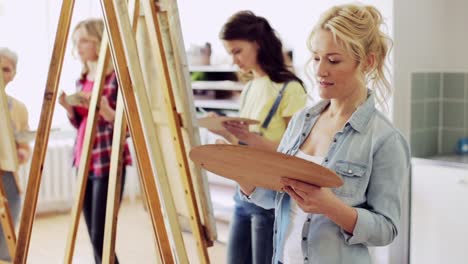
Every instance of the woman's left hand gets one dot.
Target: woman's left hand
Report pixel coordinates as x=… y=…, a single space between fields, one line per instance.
x=238 y=129
x=310 y=198
x=23 y=151
x=104 y=106
x=241 y=131
x=105 y=110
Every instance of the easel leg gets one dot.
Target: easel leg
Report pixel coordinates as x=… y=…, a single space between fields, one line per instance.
x=42 y=137
x=115 y=174
x=136 y=129
x=158 y=21
x=89 y=137
x=115 y=183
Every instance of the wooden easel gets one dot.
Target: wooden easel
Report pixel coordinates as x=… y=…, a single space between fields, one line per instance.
x=10 y=164
x=134 y=99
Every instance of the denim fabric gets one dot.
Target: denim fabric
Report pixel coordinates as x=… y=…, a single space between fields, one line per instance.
x=373 y=160
x=14 y=203
x=251 y=235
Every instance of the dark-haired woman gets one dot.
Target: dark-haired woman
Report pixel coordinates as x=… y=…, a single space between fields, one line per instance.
x=272 y=96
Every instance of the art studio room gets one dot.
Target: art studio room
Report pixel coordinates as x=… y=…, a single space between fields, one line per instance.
x=177 y=131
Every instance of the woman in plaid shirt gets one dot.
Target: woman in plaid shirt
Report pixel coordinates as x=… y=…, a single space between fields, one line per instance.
x=87 y=37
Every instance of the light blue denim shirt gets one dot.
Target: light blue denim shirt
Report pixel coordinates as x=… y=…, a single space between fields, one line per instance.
x=373 y=159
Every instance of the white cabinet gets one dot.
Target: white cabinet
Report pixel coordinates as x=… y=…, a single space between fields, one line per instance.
x=439 y=214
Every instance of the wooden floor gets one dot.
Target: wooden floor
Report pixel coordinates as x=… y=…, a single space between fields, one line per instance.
x=134 y=235
x=134 y=239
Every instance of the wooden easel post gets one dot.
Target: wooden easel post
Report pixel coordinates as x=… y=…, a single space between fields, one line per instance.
x=42 y=137
x=172 y=118
x=115 y=174
x=156 y=17
x=89 y=137
x=147 y=147
x=175 y=50
x=139 y=123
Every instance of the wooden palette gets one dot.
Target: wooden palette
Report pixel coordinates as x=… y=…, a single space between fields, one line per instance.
x=260 y=167
x=216 y=122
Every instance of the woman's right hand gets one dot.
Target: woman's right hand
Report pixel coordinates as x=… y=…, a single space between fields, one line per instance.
x=229 y=138
x=223 y=132
x=63 y=102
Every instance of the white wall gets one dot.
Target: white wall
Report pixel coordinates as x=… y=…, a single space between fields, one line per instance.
x=456 y=36
x=429 y=35
x=202 y=20
x=30 y=31
x=418 y=41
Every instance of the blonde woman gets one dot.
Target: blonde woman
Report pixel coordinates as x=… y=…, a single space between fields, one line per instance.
x=346 y=133
x=87 y=37
x=19 y=119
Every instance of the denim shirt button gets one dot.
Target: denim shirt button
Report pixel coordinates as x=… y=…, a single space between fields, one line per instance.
x=326 y=159
x=307 y=115
x=276 y=231
x=303 y=134
x=304 y=238
x=306 y=258
x=308 y=219
x=334 y=140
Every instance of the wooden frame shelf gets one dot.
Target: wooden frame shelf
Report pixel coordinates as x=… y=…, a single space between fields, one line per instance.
x=217 y=85
x=212 y=68
x=223 y=104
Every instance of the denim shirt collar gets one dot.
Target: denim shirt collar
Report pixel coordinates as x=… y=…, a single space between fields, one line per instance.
x=359 y=119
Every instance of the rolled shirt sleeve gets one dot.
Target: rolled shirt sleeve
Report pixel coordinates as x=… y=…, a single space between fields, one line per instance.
x=378 y=223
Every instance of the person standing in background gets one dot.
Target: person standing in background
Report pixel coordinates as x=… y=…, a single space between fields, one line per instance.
x=87 y=36
x=20 y=122
x=272 y=96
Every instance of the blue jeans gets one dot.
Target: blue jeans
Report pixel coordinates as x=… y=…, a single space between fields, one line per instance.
x=14 y=203
x=251 y=236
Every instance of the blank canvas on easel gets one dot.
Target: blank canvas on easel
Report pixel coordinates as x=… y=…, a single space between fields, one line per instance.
x=181 y=88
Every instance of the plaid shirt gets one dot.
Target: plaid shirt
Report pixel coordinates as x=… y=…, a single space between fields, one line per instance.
x=101 y=152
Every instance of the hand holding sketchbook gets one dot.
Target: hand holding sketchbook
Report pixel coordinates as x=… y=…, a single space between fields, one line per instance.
x=261 y=168
x=216 y=122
